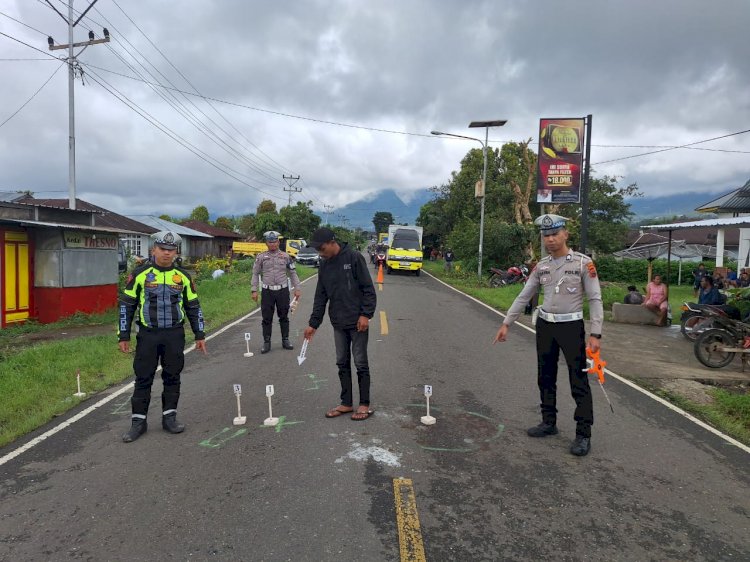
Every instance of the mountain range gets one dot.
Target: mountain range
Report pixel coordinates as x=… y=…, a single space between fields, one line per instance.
x=360 y=213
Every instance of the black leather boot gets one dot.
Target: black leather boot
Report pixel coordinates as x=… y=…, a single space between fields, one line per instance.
x=542 y=430
x=284 y=325
x=266 y=345
x=138 y=428
x=169 y=423
x=581 y=446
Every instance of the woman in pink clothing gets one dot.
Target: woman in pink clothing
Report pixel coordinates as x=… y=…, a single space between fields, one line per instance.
x=656 y=298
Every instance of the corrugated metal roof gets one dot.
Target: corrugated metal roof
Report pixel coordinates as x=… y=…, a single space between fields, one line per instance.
x=737 y=201
x=743 y=222
x=69 y=226
x=212 y=230
x=161 y=224
x=81 y=205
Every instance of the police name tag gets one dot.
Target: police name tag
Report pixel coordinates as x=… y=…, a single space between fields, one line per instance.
x=269 y=390
x=237 y=389
x=428 y=390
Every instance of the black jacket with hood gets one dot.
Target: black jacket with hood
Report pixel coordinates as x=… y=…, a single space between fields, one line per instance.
x=344 y=283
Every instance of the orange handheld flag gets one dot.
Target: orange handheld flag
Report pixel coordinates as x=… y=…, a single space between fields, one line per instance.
x=596 y=364
x=596 y=367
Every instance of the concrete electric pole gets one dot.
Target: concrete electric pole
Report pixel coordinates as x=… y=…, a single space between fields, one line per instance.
x=291 y=180
x=72 y=66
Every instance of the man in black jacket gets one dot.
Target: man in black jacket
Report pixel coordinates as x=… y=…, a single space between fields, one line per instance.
x=344 y=284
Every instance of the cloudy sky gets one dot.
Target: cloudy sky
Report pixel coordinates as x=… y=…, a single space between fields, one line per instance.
x=309 y=89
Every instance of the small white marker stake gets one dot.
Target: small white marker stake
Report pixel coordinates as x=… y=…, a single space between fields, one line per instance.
x=270 y=420
x=247 y=341
x=302 y=352
x=428 y=419
x=240 y=419
x=78 y=381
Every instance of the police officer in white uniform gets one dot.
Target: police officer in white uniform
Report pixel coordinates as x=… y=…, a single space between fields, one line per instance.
x=274 y=270
x=565 y=276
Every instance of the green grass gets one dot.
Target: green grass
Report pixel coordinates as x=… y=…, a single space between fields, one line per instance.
x=37 y=380
x=730 y=411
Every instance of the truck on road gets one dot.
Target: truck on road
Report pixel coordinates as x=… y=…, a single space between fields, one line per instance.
x=405 y=251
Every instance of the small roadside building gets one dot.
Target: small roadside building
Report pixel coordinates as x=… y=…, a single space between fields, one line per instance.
x=221 y=242
x=54 y=261
x=193 y=244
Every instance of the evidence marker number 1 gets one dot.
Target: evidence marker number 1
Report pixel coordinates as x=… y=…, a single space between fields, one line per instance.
x=270 y=420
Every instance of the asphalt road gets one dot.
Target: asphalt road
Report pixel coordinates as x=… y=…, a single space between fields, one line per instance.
x=654 y=487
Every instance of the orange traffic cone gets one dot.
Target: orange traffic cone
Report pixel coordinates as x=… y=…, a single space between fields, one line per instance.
x=380 y=273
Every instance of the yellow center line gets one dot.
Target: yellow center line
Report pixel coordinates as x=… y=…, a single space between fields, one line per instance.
x=383 y=324
x=407 y=521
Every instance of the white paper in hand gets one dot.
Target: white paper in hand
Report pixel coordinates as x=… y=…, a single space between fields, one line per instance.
x=302 y=352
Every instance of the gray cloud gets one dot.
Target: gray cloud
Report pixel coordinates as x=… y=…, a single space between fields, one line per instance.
x=651 y=73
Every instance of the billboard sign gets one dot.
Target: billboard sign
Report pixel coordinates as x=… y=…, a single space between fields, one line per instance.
x=560 y=161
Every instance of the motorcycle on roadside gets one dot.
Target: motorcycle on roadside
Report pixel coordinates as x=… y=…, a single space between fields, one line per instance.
x=502 y=277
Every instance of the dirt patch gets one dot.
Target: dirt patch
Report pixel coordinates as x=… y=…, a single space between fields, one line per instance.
x=692 y=390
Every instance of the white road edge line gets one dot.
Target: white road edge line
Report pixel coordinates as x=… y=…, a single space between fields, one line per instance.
x=623 y=380
x=126 y=387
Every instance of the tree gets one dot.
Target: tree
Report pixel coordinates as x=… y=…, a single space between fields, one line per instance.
x=266 y=206
x=224 y=222
x=518 y=171
x=246 y=225
x=265 y=222
x=200 y=213
x=166 y=217
x=299 y=219
x=381 y=220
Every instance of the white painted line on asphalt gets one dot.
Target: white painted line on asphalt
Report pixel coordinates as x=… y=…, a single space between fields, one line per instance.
x=622 y=379
x=125 y=388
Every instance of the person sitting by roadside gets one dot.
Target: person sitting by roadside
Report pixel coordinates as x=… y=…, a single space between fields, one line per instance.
x=709 y=294
x=698 y=274
x=743 y=280
x=656 y=299
x=718 y=280
x=731 y=278
x=633 y=296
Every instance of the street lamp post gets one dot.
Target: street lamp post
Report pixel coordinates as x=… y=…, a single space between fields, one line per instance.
x=486 y=125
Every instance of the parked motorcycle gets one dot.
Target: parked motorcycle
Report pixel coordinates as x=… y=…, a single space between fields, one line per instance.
x=717 y=347
x=697 y=318
x=502 y=277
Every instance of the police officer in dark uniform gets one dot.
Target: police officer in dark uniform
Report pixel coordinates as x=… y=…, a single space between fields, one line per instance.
x=274 y=270
x=565 y=276
x=163 y=295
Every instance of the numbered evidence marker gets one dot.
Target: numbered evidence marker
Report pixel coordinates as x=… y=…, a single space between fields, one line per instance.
x=270 y=420
x=428 y=419
x=240 y=419
x=78 y=381
x=302 y=352
x=247 y=341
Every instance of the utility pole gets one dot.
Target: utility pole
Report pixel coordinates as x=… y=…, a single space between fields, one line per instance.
x=328 y=209
x=291 y=180
x=72 y=65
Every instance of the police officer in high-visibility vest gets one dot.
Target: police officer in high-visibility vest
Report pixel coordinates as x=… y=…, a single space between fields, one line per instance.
x=565 y=276
x=163 y=295
x=274 y=270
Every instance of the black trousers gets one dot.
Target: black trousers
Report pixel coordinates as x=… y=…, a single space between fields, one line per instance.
x=153 y=345
x=278 y=301
x=570 y=337
x=351 y=342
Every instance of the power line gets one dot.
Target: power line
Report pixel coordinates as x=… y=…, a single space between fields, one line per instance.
x=24 y=24
x=33 y=95
x=674 y=148
x=193 y=86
